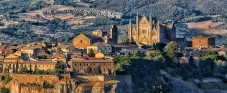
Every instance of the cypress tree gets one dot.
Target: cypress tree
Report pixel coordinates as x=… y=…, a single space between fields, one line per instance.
x=30 y=67
x=17 y=67
x=91 y=53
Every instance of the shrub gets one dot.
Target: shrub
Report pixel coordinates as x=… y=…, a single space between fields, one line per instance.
x=47 y=85
x=6 y=78
x=4 y=90
x=97 y=71
x=23 y=70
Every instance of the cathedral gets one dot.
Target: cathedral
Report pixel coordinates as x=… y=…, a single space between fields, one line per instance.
x=145 y=32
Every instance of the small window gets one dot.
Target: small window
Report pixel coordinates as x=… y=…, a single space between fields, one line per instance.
x=81 y=41
x=200 y=41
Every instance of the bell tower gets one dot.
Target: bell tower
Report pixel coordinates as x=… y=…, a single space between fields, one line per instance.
x=114 y=34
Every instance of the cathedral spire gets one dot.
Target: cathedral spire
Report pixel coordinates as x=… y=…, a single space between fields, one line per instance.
x=137 y=27
x=151 y=28
x=137 y=21
x=150 y=18
x=158 y=31
x=157 y=25
x=151 y=21
x=130 y=24
x=130 y=31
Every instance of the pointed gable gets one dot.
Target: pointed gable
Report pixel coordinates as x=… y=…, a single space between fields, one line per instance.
x=82 y=35
x=144 y=20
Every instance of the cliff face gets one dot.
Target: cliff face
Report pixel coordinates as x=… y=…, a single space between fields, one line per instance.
x=39 y=84
x=16 y=87
x=180 y=86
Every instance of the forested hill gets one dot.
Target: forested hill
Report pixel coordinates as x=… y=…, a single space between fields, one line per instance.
x=23 y=21
x=165 y=9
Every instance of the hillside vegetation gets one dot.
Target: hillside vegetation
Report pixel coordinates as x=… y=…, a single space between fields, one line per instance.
x=165 y=9
x=23 y=21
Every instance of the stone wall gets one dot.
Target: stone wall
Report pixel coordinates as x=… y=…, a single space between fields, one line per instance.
x=91 y=78
x=24 y=83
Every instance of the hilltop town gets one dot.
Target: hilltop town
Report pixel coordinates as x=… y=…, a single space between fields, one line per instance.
x=113 y=46
x=100 y=62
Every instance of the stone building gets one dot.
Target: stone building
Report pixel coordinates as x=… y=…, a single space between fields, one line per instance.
x=31 y=51
x=100 y=47
x=12 y=60
x=82 y=41
x=202 y=42
x=40 y=65
x=145 y=32
x=99 y=33
x=83 y=64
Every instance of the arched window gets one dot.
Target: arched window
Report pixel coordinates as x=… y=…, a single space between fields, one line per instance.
x=81 y=41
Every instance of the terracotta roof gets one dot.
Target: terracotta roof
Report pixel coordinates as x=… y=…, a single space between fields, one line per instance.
x=32 y=62
x=89 y=59
x=90 y=36
x=100 y=44
x=123 y=46
x=38 y=62
x=30 y=48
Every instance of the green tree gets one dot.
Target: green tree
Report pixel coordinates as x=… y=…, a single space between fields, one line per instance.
x=30 y=68
x=97 y=71
x=191 y=61
x=6 y=78
x=172 y=51
x=16 y=67
x=88 y=70
x=91 y=53
x=4 y=90
x=23 y=69
x=207 y=66
x=47 y=85
x=220 y=67
x=156 y=53
x=120 y=61
x=59 y=68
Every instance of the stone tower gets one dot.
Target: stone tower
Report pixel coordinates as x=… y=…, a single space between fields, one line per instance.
x=114 y=34
x=130 y=31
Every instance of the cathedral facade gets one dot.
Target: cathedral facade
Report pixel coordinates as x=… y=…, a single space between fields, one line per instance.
x=145 y=32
